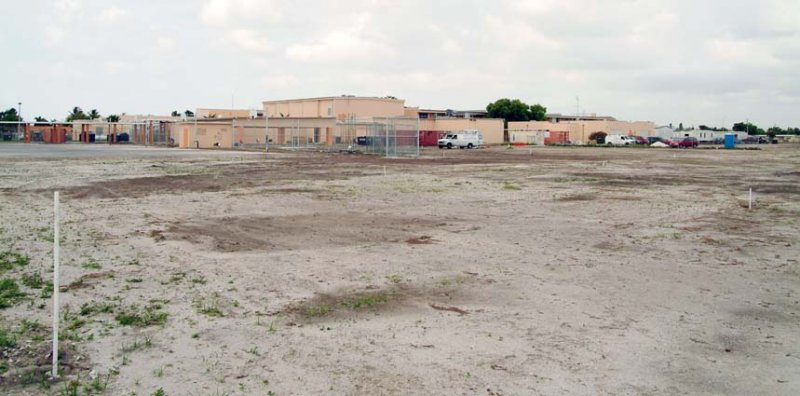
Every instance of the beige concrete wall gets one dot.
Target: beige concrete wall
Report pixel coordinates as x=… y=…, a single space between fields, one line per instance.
x=579 y=131
x=336 y=107
x=491 y=128
x=222 y=113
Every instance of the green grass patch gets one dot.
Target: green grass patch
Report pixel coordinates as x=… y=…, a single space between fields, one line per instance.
x=92 y=264
x=151 y=315
x=33 y=280
x=10 y=260
x=511 y=187
x=10 y=293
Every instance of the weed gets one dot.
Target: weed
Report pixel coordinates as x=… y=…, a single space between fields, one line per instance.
x=133 y=261
x=200 y=280
x=365 y=301
x=134 y=280
x=71 y=388
x=147 y=342
x=151 y=315
x=47 y=290
x=273 y=327
x=196 y=336
x=511 y=187
x=159 y=372
x=33 y=280
x=254 y=351
x=10 y=260
x=7 y=339
x=9 y=293
x=210 y=306
x=395 y=278
x=159 y=392
x=92 y=308
x=91 y=264
x=317 y=310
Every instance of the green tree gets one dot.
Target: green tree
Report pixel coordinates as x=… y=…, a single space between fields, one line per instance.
x=76 y=114
x=515 y=110
x=112 y=118
x=748 y=127
x=175 y=113
x=538 y=112
x=9 y=115
x=189 y=114
x=94 y=114
x=40 y=119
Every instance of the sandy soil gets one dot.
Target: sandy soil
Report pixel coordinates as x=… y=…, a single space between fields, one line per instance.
x=494 y=272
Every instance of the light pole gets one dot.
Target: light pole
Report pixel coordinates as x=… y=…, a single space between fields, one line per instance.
x=19 y=117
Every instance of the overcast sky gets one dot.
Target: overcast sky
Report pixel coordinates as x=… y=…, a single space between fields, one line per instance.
x=690 y=61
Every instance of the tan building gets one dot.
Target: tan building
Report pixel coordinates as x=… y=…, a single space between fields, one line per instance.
x=220 y=133
x=337 y=107
x=581 y=131
x=228 y=113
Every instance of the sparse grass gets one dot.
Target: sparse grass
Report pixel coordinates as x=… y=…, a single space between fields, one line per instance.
x=91 y=264
x=10 y=260
x=355 y=302
x=159 y=392
x=159 y=372
x=10 y=293
x=395 y=278
x=314 y=311
x=210 y=307
x=47 y=290
x=151 y=315
x=511 y=187
x=137 y=345
x=7 y=339
x=92 y=308
x=200 y=280
x=33 y=280
x=365 y=301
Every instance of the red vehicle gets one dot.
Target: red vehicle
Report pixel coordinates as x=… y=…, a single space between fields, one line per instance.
x=686 y=142
x=641 y=140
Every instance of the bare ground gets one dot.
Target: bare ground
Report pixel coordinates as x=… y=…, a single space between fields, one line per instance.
x=497 y=272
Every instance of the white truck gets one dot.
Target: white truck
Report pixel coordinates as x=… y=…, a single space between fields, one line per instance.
x=461 y=139
x=621 y=140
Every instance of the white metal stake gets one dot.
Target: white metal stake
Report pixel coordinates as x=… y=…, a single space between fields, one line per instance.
x=56 y=253
x=750 y=205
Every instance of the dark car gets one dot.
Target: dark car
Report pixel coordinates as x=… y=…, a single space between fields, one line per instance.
x=656 y=139
x=687 y=142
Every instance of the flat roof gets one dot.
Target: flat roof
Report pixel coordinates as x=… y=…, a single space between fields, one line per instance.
x=348 y=97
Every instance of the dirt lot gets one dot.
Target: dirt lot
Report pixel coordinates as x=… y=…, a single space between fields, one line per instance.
x=492 y=272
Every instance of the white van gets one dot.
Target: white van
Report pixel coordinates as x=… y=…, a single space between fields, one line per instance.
x=621 y=140
x=462 y=139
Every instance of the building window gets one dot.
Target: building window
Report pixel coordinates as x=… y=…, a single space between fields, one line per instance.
x=316 y=135
x=423 y=116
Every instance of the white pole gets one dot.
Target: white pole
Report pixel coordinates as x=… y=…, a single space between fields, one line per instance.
x=750 y=205
x=56 y=253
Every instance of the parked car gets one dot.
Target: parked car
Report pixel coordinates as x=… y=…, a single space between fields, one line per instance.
x=687 y=142
x=620 y=140
x=640 y=140
x=655 y=139
x=463 y=139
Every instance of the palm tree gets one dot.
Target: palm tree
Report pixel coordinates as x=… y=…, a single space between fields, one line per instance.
x=94 y=114
x=112 y=118
x=76 y=114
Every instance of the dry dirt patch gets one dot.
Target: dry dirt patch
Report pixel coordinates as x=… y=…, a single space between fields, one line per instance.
x=297 y=232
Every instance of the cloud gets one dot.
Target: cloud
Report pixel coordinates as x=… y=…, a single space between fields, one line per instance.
x=279 y=81
x=231 y=12
x=358 y=42
x=110 y=15
x=166 y=44
x=67 y=7
x=249 y=40
x=53 y=35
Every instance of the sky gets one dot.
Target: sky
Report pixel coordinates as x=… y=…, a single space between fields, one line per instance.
x=667 y=61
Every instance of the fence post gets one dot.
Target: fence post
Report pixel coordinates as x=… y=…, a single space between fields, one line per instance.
x=56 y=254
